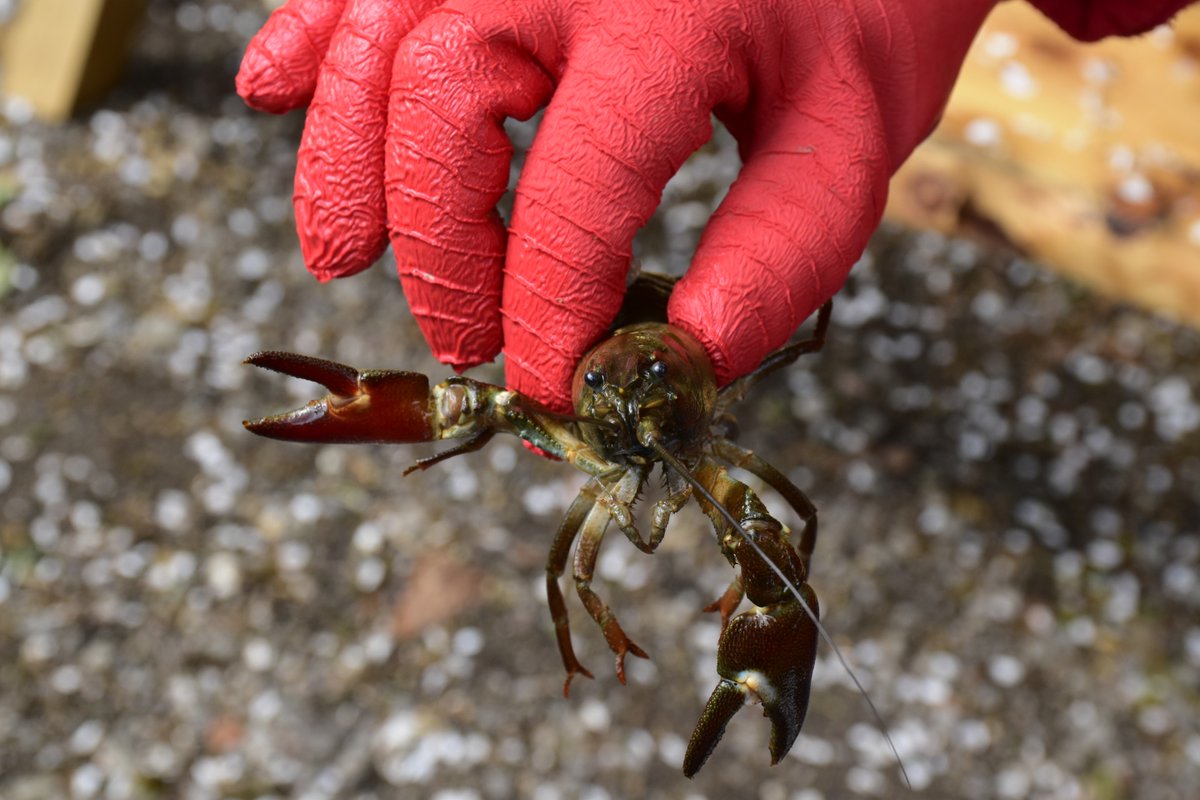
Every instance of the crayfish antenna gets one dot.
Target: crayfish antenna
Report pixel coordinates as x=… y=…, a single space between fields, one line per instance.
x=723 y=702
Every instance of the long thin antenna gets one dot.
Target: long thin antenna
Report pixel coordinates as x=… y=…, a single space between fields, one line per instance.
x=678 y=466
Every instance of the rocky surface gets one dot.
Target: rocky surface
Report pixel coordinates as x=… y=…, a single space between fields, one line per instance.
x=1007 y=467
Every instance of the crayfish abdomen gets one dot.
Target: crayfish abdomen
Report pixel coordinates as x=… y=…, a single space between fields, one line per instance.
x=645 y=396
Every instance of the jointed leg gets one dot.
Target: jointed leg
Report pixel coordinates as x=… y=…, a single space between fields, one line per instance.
x=556 y=565
x=679 y=491
x=469 y=446
x=620 y=509
x=586 y=553
x=755 y=465
x=728 y=602
x=782 y=357
x=789 y=353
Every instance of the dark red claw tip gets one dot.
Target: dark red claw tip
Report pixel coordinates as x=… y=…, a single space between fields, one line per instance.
x=310 y=423
x=338 y=378
x=726 y=700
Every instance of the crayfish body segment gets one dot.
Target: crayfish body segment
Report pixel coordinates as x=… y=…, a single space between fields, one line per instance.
x=644 y=397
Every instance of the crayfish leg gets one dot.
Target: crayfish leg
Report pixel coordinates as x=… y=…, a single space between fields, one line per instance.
x=728 y=602
x=679 y=491
x=586 y=554
x=756 y=465
x=783 y=357
x=469 y=446
x=556 y=565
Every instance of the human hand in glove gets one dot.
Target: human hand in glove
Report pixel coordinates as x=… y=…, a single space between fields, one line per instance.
x=404 y=140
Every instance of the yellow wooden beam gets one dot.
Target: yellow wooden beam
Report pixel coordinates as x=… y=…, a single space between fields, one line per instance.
x=1086 y=157
x=63 y=54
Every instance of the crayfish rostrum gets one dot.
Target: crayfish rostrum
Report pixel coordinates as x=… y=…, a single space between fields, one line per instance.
x=645 y=396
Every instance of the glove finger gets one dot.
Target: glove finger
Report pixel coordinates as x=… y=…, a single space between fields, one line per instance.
x=279 y=70
x=799 y=215
x=339 y=196
x=456 y=78
x=609 y=142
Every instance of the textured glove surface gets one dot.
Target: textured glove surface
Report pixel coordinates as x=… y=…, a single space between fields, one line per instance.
x=404 y=138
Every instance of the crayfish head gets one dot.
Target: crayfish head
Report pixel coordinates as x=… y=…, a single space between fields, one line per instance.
x=645 y=380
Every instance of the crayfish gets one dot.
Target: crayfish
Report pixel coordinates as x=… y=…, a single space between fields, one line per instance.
x=645 y=396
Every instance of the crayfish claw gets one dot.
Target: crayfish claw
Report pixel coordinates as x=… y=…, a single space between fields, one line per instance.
x=341 y=379
x=765 y=656
x=362 y=406
x=726 y=700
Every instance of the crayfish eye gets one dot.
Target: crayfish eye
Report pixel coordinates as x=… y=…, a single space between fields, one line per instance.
x=593 y=378
x=659 y=369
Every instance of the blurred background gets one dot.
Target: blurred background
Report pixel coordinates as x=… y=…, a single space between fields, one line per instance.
x=1006 y=462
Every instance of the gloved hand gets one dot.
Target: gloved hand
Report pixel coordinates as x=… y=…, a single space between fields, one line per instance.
x=1090 y=20
x=825 y=97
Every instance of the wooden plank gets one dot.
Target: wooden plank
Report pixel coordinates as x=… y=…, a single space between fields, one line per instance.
x=63 y=54
x=1086 y=157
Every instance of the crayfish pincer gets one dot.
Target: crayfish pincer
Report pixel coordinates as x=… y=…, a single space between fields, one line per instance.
x=645 y=398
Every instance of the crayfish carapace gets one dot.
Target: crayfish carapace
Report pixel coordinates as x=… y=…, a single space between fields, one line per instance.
x=645 y=396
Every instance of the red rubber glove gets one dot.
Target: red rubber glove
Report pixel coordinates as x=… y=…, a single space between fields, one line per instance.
x=1089 y=21
x=826 y=98
x=334 y=56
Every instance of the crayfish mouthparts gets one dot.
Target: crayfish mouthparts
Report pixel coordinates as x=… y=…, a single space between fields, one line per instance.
x=645 y=397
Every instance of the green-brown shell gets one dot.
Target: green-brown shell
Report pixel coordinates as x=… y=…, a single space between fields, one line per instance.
x=649 y=376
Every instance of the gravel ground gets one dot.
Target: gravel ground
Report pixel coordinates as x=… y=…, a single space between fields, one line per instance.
x=1007 y=467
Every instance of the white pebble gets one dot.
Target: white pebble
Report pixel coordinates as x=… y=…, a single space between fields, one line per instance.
x=378 y=647
x=1005 y=670
x=252 y=264
x=223 y=574
x=153 y=246
x=1136 y=189
x=861 y=780
x=86 y=781
x=860 y=476
x=1013 y=782
x=1191 y=645
x=594 y=715
x=540 y=500
x=1155 y=720
x=1000 y=45
x=86 y=737
x=370 y=574
x=983 y=132
x=305 y=508
x=1016 y=81
x=368 y=538
x=258 y=654
x=973 y=735
x=467 y=642
x=1105 y=553
x=66 y=679
x=293 y=556
x=172 y=510
x=503 y=457
x=88 y=290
